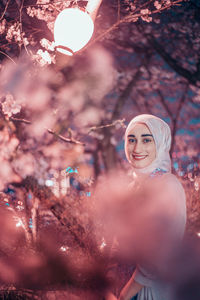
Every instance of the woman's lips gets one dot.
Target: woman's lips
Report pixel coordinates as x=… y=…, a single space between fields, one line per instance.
x=139 y=157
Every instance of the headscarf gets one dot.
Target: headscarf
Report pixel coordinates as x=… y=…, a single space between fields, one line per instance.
x=162 y=137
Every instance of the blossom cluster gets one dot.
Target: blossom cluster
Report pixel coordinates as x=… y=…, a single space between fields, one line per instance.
x=9 y=105
x=14 y=34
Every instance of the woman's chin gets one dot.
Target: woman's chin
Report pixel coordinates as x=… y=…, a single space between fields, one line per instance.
x=139 y=165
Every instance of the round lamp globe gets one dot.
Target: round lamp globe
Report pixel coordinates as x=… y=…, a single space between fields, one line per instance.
x=73 y=29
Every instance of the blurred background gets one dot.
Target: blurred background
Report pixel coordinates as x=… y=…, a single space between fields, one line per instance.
x=62 y=124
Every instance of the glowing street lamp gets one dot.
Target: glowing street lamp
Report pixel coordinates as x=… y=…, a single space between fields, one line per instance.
x=74 y=27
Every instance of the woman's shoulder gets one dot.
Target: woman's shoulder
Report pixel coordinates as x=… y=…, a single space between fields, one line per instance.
x=171 y=179
x=167 y=183
x=172 y=188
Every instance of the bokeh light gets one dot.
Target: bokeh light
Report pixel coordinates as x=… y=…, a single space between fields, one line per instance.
x=72 y=30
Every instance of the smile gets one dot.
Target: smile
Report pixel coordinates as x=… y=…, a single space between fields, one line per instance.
x=139 y=157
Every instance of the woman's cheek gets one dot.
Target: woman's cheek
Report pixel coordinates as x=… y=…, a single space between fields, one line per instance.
x=130 y=149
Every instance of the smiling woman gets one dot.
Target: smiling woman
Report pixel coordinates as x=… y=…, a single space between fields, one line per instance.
x=160 y=217
x=141 y=147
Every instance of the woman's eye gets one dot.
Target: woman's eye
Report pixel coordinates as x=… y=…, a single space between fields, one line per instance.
x=147 y=140
x=131 y=140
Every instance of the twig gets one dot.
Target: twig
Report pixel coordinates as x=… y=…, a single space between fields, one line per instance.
x=21 y=26
x=72 y=141
x=20 y=120
x=67 y=140
x=8 y=57
x=162 y=99
x=125 y=94
x=118 y=10
x=131 y=18
x=45 y=4
x=5 y=10
x=121 y=122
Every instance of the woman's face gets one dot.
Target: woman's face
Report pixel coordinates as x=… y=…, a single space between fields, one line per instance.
x=141 y=147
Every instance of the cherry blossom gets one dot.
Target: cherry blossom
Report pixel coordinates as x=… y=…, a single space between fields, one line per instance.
x=10 y=106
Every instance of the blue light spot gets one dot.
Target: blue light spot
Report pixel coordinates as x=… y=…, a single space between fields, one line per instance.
x=194 y=121
x=166 y=119
x=176 y=165
x=183 y=131
x=120 y=146
x=30 y=223
x=170 y=99
x=70 y=170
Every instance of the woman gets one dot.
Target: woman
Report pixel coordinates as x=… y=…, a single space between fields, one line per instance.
x=147 y=145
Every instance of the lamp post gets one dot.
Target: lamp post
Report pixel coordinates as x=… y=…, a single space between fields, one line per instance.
x=74 y=27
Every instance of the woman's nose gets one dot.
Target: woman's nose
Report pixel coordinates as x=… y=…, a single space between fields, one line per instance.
x=137 y=147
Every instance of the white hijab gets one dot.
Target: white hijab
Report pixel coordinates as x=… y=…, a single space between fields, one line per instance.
x=162 y=137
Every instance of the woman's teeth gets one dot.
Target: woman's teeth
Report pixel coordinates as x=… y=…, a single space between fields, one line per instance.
x=139 y=157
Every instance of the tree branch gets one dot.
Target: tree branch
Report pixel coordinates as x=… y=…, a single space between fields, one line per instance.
x=165 y=104
x=64 y=139
x=20 y=120
x=173 y=63
x=124 y=96
x=132 y=18
x=118 y=10
x=8 y=57
x=67 y=140
x=174 y=117
x=2 y=16
x=121 y=122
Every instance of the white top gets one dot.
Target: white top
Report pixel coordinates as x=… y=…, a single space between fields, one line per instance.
x=169 y=213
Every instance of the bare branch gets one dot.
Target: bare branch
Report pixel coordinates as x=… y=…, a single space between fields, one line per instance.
x=173 y=63
x=173 y=116
x=124 y=96
x=20 y=120
x=3 y=14
x=8 y=56
x=21 y=26
x=118 y=10
x=132 y=18
x=182 y=100
x=64 y=139
x=165 y=104
x=121 y=122
x=175 y=119
x=146 y=103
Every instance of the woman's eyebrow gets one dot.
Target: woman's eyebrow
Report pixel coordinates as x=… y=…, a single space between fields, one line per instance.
x=132 y=135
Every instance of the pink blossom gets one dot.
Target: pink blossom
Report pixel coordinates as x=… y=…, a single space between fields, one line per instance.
x=146 y=18
x=145 y=11
x=157 y=5
x=47 y=44
x=9 y=106
x=43 y=58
